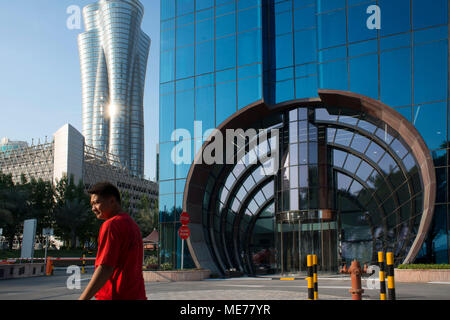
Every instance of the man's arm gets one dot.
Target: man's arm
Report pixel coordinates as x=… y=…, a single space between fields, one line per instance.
x=101 y=275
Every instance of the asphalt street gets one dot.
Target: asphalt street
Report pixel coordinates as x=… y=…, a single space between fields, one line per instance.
x=61 y=287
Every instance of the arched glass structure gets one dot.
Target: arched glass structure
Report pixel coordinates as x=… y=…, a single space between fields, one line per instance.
x=345 y=186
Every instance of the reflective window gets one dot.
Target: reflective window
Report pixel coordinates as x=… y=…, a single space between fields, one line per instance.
x=333 y=75
x=283 y=23
x=225 y=25
x=396 y=16
x=167 y=170
x=305 y=18
x=395 y=77
x=226 y=101
x=357 y=23
x=204 y=30
x=226 y=53
x=249 y=19
x=436 y=113
x=204 y=107
x=185 y=62
x=306 y=87
x=185 y=6
x=204 y=58
x=249 y=47
x=168 y=61
x=185 y=111
x=430 y=62
x=167 y=117
x=429 y=13
x=185 y=35
x=364 y=75
x=203 y=4
x=328 y=5
x=283 y=51
x=305 y=53
x=332 y=29
x=249 y=91
x=167 y=9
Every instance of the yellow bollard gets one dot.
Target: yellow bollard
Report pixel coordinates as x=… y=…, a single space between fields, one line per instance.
x=310 y=277
x=316 y=285
x=382 y=275
x=390 y=273
x=83 y=271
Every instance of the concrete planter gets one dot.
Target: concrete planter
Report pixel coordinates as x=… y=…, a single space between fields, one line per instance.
x=21 y=270
x=422 y=275
x=185 y=275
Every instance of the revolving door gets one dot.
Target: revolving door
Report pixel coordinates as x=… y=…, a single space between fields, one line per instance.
x=298 y=236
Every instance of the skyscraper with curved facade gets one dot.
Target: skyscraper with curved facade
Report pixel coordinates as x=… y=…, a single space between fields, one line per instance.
x=113 y=56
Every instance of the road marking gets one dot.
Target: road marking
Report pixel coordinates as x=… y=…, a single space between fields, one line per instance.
x=438 y=282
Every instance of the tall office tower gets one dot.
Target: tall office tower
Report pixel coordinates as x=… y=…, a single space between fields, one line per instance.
x=360 y=95
x=113 y=56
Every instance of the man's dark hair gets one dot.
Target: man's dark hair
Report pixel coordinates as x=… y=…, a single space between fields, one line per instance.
x=105 y=189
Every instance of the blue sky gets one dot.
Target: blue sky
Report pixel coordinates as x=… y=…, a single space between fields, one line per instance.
x=40 y=84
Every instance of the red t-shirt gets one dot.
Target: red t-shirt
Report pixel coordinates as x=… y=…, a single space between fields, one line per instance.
x=120 y=246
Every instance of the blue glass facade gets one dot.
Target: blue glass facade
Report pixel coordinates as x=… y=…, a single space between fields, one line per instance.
x=218 y=56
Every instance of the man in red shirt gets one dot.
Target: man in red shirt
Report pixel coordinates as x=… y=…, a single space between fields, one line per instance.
x=118 y=266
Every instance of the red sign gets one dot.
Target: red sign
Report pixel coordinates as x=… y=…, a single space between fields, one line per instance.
x=184 y=232
x=184 y=218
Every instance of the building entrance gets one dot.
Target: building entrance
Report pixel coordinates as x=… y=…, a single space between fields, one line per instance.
x=297 y=238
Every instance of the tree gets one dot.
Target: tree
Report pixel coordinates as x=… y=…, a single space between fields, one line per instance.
x=72 y=213
x=14 y=206
x=146 y=216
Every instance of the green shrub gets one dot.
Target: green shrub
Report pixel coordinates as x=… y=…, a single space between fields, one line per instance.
x=424 y=266
x=166 y=266
x=151 y=260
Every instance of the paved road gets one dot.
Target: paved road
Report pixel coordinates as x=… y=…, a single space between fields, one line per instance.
x=55 y=288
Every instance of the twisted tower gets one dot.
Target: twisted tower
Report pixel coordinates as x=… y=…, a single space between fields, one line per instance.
x=113 y=57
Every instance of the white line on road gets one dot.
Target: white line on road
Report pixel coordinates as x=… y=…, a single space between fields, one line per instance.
x=438 y=282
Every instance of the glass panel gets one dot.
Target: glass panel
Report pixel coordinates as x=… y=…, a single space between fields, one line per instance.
x=283 y=23
x=395 y=68
x=332 y=28
x=430 y=62
x=226 y=101
x=284 y=51
x=226 y=53
x=185 y=62
x=357 y=29
x=204 y=59
x=364 y=75
x=204 y=30
x=429 y=13
x=333 y=75
x=249 y=47
x=305 y=18
x=250 y=90
x=435 y=113
x=225 y=25
x=374 y=152
x=167 y=117
x=396 y=16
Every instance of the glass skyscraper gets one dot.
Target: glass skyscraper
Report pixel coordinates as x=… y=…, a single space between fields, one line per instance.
x=113 y=56
x=360 y=93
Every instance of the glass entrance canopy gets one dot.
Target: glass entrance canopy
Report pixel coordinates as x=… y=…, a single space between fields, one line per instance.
x=347 y=184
